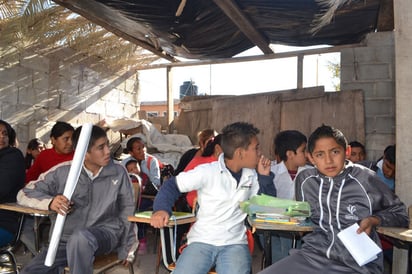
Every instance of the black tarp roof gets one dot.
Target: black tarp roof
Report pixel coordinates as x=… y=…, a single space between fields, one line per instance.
x=206 y=29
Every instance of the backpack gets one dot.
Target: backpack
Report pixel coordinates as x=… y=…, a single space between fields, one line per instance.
x=166 y=171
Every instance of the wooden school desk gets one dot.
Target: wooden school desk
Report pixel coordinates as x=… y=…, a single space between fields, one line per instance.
x=36 y=213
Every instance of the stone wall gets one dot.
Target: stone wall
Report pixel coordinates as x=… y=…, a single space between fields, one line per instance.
x=37 y=89
x=372 y=69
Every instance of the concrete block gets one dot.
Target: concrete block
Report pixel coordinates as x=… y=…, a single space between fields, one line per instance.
x=347 y=56
x=72 y=103
x=24 y=77
x=367 y=87
x=115 y=110
x=27 y=96
x=379 y=142
x=59 y=114
x=111 y=96
x=95 y=106
x=385 y=89
x=132 y=84
x=8 y=93
x=9 y=75
x=373 y=72
x=347 y=74
x=383 y=107
x=40 y=80
x=131 y=111
x=128 y=98
x=371 y=55
x=385 y=124
x=381 y=38
x=370 y=125
x=34 y=61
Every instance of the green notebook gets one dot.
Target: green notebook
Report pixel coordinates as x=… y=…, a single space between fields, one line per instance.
x=177 y=214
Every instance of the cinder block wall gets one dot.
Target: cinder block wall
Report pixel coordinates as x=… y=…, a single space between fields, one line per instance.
x=37 y=89
x=372 y=69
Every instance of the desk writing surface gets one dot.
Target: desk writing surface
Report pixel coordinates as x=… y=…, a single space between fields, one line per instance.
x=24 y=209
x=171 y=222
x=400 y=233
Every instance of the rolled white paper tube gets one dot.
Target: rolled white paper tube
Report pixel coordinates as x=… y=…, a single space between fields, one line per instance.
x=71 y=183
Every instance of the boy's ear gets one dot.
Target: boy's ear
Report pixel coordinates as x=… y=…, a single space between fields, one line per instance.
x=348 y=151
x=310 y=158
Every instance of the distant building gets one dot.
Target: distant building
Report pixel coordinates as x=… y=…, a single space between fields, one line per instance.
x=159 y=108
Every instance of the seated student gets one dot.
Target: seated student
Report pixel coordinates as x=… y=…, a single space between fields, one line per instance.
x=62 y=150
x=357 y=152
x=203 y=137
x=291 y=149
x=133 y=167
x=150 y=174
x=210 y=154
x=34 y=147
x=12 y=180
x=137 y=150
x=219 y=232
x=96 y=216
x=340 y=194
x=385 y=166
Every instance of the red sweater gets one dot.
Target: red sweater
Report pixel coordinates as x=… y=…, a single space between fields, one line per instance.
x=47 y=159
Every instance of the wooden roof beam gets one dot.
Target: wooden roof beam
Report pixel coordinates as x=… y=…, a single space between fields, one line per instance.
x=231 y=9
x=99 y=20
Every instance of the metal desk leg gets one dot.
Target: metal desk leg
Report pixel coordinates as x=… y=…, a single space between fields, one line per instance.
x=36 y=233
x=267 y=246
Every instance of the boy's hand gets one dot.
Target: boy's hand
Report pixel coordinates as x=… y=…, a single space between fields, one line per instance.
x=367 y=224
x=61 y=205
x=159 y=219
x=263 y=167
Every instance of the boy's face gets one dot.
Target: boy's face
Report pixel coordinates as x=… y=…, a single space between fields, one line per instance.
x=297 y=158
x=98 y=155
x=388 y=169
x=251 y=155
x=356 y=154
x=328 y=156
x=132 y=168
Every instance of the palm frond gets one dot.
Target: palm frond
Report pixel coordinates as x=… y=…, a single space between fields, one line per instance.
x=43 y=23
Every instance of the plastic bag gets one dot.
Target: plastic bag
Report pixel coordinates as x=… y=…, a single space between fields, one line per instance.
x=269 y=204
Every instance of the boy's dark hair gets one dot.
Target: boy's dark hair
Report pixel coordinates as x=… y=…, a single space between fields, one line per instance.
x=237 y=135
x=131 y=161
x=130 y=142
x=11 y=133
x=60 y=128
x=390 y=154
x=328 y=132
x=97 y=133
x=288 y=140
x=210 y=146
x=357 y=144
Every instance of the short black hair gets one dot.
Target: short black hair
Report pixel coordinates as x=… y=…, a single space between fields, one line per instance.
x=237 y=135
x=131 y=141
x=60 y=128
x=288 y=140
x=390 y=154
x=325 y=131
x=357 y=144
x=97 y=133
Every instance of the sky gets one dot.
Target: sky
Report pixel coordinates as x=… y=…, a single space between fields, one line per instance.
x=241 y=78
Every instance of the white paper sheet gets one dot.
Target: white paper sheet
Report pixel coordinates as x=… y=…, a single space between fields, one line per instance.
x=360 y=246
x=71 y=183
